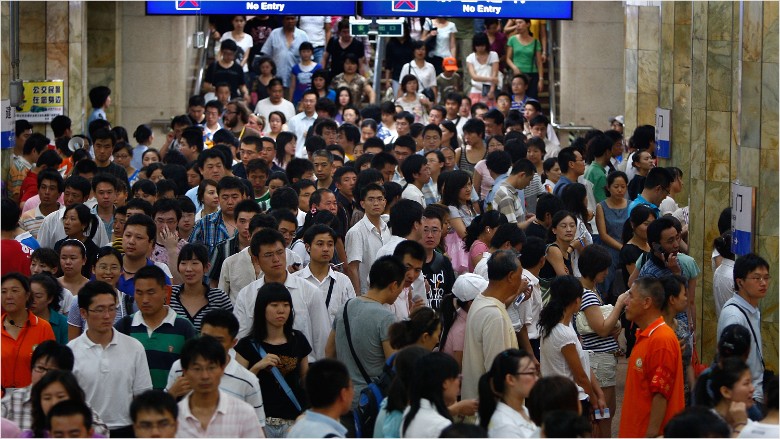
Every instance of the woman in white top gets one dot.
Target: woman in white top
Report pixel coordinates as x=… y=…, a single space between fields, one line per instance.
x=434 y=387
x=444 y=31
x=561 y=352
x=502 y=393
x=243 y=40
x=723 y=278
x=483 y=70
x=729 y=393
x=412 y=100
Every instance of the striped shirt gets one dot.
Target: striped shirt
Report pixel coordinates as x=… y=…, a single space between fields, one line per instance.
x=215 y=298
x=594 y=342
x=162 y=344
x=210 y=231
x=508 y=202
x=237 y=382
x=32 y=220
x=17 y=407
x=232 y=418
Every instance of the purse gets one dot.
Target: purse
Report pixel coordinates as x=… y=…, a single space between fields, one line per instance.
x=583 y=327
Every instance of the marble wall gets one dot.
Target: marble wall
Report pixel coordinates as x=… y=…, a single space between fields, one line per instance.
x=724 y=101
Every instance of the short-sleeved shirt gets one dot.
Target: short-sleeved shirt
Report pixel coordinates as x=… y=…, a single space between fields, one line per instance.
x=597 y=174
x=337 y=54
x=481 y=69
x=507 y=202
x=232 y=418
x=290 y=354
x=654 y=367
x=457 y=334
x=552 y=361
x=215 y=299
x=233 y=75
x=594 y=342
x=17 y=353
x=362 y=243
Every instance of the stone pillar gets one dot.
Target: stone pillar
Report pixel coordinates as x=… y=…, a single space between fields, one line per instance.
x=724 y=101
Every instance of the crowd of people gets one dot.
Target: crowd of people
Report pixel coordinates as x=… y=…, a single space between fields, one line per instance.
x=426 y=262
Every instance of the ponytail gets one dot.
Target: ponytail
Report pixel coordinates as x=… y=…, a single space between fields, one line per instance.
x=492 y=385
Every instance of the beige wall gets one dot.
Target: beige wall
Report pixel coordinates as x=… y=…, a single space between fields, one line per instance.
x=724 y=126
x=591 y=63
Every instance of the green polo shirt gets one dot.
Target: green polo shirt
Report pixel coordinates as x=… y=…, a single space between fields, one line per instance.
x=597 y=174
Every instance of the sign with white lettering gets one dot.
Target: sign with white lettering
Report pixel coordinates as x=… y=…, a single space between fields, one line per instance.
x=535 y=9
x=742 y=211
x=253 y=7
x=663 y=133
x=7 y=125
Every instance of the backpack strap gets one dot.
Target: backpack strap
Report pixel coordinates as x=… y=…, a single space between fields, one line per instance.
x=352 y=347
x=330 y=292
x=755 y=339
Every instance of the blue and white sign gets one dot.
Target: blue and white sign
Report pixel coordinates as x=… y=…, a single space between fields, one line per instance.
x=663 y=133
x=252 y=7
x=7 y=126
x=536 y=9
x=742 y=212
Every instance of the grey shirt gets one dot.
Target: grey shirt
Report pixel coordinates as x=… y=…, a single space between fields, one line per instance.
x=368 y=324
x=730 y=315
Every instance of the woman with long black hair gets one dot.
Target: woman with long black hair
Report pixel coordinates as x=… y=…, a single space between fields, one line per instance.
x=502 y=393
x=434 y=387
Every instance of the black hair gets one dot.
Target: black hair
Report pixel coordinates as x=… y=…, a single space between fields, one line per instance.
x=403 y=215
x=60 y=124
x=658 y=177
x=734 y=341
x=85 y=166
x=46 y=255
x=70 y=407
x=194 y=137
x=167 y=205
x=638 y=215
x=152 y=151
x=156 y=401
x=491 y=218
x=643 y=136
x=671 y=284
x=297 y=167
x=140 y=203
x=185 y=204
x=432 y=370
x=492 y=383
x=593 y=260
x=202 y=188
x=86 y=217
x=268 y=293
x=244 y=206
x=501 y=263
x=746 y=264
x=565 y=423
x=696 y=421
x=152 y=272
x=50 y=350
x=411 y=248
x=611 y=177
x=142 y=133
x=51 y=286
x=507 y=232
x=386 y=270
x=145 y=221
x=565 y=156
x=262 y=221
x=498 y=162
x=325 y=380
x=657 y=227
x=229 y=182
x=222 y=318
x=458 y=430
x=651 y=288
x=726 y=373
x=98 y=96
x=196 y=251
x=210 y=154
x=71 y=385
x=284 y=198
x=382 y=159
x=165 y=185
x=343 y=170
x=724 y=220
x=266 y=236
x=206 y=347
x=407 y=332
x=284 y=215
x=456 y=180
x=405 y=362
x=474 y=126
x=365 y=178
x=11 y=215
x=49 y=159
x=564 y=290
x=318 y=229
x=552 y=393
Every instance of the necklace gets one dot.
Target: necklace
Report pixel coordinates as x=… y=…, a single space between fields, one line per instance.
x=12 y=323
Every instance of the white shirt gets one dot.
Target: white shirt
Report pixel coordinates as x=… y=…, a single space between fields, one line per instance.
x=314 y=27
x=427 y=422
x=723 y=284
x=552 y=361
x=265 y=107
x=342 y=288
x=299 y=125
x=413 y=193
x=426 y=76
x=418 y=288
x=529 y=310
x=507 y=422
x=52 y=230
x=481 y=267
x=120 y=367
x=311 y=316
x=237 y=382
x=238 y=272
x=232 y=418
x=362 y=243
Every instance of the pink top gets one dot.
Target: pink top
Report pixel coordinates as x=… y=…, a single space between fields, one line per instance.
x=457 y=335
x=477 y=249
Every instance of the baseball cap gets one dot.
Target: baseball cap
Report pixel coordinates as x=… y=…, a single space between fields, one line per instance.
x=618 y=118
x=450 y=64
x=468 y=285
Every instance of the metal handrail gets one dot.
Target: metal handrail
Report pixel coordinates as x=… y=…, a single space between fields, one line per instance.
x=203 y=57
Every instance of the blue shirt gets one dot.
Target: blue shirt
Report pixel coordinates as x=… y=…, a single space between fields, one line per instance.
x=562 y=182
x=640 y=200
x=285 y=56
x=210 y=231
x=314 y=424
x=138 y=154
x=127 y=286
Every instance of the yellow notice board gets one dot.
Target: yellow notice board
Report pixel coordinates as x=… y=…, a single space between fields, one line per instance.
x=42 y=101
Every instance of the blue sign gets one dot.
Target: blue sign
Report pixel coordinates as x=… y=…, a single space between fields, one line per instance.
x=252 y=7
x=536 y=9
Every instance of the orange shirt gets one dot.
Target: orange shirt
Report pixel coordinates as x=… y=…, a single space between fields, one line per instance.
x=655 y=366
x=17 y=354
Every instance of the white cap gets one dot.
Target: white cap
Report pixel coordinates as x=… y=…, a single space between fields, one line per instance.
x=617 y=118
x=467 y=286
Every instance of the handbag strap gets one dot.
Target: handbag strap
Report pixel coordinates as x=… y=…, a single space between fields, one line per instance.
x=755 y=339
x=352 y=347
x=279 y=378
x=330 y=291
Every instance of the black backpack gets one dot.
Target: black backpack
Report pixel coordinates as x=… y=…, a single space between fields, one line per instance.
x=371 y=396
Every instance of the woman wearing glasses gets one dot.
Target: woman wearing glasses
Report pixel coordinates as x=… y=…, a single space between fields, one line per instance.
x=502 y=393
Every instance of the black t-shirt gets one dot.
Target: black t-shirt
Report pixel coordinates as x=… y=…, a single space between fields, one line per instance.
x=277 y=403
x=260 y=29
x=397 y=54
x=629 y=253
x=233 y=75
x=441 y=276
x=537 y=230
x=115 y=170
x=338 y=54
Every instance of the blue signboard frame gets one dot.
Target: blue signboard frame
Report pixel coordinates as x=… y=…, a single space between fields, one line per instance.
x=532 y=9
x=249 y=7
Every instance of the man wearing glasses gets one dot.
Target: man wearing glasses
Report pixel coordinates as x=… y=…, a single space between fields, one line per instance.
x=751 y=280
x=657 y=187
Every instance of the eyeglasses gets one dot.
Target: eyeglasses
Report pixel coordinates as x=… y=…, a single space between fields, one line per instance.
x=41 y=369
x=102 y=310
x=766 y=278
x=431 y=231
x=375 y=199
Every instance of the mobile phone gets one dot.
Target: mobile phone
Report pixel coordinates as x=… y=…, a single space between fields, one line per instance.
x=485 y=89
x=658 y=249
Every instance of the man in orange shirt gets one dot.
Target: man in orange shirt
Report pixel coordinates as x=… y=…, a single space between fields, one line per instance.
x=654 y=381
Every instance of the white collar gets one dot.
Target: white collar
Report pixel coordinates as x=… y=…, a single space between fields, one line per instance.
x=170 y=318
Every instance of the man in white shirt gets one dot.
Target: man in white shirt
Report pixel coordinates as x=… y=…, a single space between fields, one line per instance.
x=335 y=287
x=489 y=330
x=107 y=359
x=77 y=191
x=208 y=411
x=301 y=122
x=311 y=315
x=416 y=172
x=275 y=101
x=365 y=238
x=318 y=29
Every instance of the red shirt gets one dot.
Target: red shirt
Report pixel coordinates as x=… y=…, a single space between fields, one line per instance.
x=655 y=366
x=29 y=186
x=17 y=353
x=14 y=257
